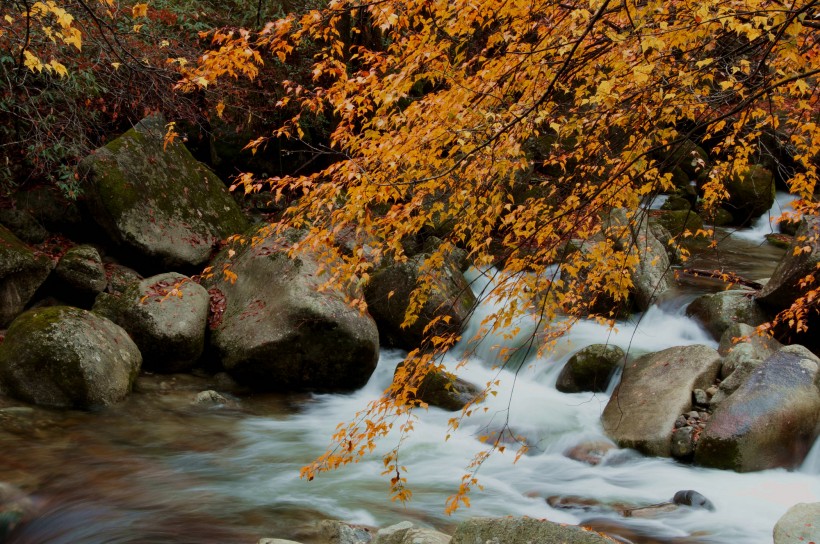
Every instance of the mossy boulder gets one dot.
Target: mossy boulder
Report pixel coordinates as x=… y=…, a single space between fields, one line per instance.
x=157 y=200
x=511 y=530
x=444 y=390
x=751 y=194
x=719 y=311
x=81 y=270
x=23 y=225
x=165 y=315
x=770 y=421
x=22 y=272
x=67 y=358
x=388 y=297
x=678 y=221
x=655 y=389
x=590 y=369
x=281 y=329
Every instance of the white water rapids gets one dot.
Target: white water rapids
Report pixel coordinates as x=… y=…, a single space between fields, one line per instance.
x=271 y=451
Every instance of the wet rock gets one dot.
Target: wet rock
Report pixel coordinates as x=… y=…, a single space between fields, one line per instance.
x=388 y=297
x=590 y=369
x=80 y=270
x=591 y=453
x=751 y=194
x=654 y=390
x=762 y=345
x=211 y=398
x=156 y=200
x=339 y=532
x=523 y=531
x=719 y=311
x=683 y=443
x=407 y=533
x=68 y=358
x=445 y=390
x=689 y=497
x=800 y=524
x=21 y=274
x=770 y=421
x=779 y=240
x=165 y=315
x=280 y=331
x=784 y=286
x=23 y=225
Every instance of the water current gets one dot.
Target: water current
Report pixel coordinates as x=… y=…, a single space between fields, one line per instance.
x=157 y=468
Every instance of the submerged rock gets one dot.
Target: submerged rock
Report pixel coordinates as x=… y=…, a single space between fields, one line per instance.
x=67 y=358
x=156 y=199
x=281 y=330
x=654 y=390
x=770 y=421
x=590 y=369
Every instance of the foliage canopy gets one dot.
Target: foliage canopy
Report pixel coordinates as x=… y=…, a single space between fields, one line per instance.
x=510 y=129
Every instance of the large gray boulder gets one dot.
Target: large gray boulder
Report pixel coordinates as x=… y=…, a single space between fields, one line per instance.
x=763 y=345
x=388 y=297
x=636 y=235
x=751 y=194
x=590 y=369
x=157 y=200
x=655 y=389
x=799 y=525
x=523 y=531
x=68 y=358
x=165 y=315
x=281 y=330
x=719 y=311
x=407 y=533
x=771 y=419
x=21 y=274
x=784 y=286
x=81 y=270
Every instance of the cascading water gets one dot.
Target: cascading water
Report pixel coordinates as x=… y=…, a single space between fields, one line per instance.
x=156 y=469
x=747 y=505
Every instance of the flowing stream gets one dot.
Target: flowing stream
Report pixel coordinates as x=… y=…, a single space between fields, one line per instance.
x=157 y=468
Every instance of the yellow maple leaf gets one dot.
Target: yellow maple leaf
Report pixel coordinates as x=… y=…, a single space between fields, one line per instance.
x=32 y=62
x=139 y=10
x=220 y=108
x=58 y=68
